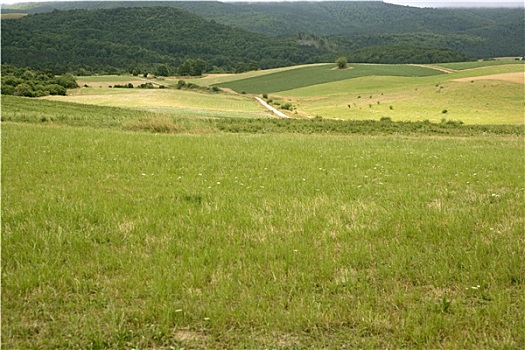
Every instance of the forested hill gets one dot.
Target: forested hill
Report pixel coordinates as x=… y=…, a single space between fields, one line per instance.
x=316 y=17
x=347 y=26
x=122 y=37
x=106 y=36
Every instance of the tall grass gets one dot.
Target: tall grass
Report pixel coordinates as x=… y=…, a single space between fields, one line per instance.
x=117 y=240
x=25 y=110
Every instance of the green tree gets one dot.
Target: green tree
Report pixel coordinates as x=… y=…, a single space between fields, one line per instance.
x=199 y=66
x=162 y=70
x=342 y=62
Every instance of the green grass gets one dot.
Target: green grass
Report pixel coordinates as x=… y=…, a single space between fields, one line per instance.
x=412 y=99
x=59 y=113
x=121 y=240
x=277 y=241
x=319 y=74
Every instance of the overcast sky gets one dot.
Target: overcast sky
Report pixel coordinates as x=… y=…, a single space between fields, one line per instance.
x=417 y=3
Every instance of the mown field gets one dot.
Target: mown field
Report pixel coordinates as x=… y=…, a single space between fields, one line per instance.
x=127 y=228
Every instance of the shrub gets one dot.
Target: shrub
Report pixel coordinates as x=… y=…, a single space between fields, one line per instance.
x=55 y=89
x=287 y=106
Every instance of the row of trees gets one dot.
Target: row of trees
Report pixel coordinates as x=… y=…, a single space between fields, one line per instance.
x=189 y=67
x=32 y=83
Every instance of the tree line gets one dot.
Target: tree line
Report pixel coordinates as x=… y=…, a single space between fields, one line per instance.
x=34 y=83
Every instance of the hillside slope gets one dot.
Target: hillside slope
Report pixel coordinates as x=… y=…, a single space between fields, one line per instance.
x=474 y=32
x=123 y=37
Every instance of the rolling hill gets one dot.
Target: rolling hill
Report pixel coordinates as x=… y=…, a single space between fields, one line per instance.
x=111 y=37
x=124 y=37
x=348 y=25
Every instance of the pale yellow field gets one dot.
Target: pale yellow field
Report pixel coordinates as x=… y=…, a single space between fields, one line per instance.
x=474 y=97
x=516 y=77
x=167 y=100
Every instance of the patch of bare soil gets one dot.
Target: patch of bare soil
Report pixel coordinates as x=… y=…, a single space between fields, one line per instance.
x=229 y=91
x=191 y=338
x=337 y=68
x=517 y=78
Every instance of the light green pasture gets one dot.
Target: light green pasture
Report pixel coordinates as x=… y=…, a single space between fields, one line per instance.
x=417 y=98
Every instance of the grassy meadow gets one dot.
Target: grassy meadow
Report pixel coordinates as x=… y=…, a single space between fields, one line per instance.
x=402 y=93
x=476 y=93
x=187 y=219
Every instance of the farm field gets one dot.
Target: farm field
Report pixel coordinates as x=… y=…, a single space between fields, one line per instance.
x=115 y=239
x=179 y=102
x=474 y=93
x=482 y=96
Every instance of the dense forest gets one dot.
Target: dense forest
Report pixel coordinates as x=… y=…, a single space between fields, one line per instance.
x=102 y=40
x=111 y=36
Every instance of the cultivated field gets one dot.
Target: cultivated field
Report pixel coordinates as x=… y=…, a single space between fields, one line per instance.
x=474 y=93
x=170 y=219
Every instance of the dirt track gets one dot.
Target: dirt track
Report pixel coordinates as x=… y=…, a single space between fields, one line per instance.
x=517 y=77
x=273 y=110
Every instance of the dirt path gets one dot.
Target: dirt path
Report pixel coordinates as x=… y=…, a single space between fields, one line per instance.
x=441 y=69
x=279 y=114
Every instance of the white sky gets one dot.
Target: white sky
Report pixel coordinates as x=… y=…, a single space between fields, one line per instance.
x=417 y=3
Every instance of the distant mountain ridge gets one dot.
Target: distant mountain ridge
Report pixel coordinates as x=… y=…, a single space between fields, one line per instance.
x=269 y=34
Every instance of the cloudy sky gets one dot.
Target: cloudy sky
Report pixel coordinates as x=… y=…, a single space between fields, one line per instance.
x=417 y=3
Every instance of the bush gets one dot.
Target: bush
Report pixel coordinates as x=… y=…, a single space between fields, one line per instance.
x=25 y=90
x=55 y=89
x=146 y=86
x=287 y=106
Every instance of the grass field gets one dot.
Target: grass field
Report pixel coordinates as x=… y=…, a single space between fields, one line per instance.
x=113 y=239
x=319 y=74
x=488 y=92
x=431 y=98
x=179 y=102
x=188 y=219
